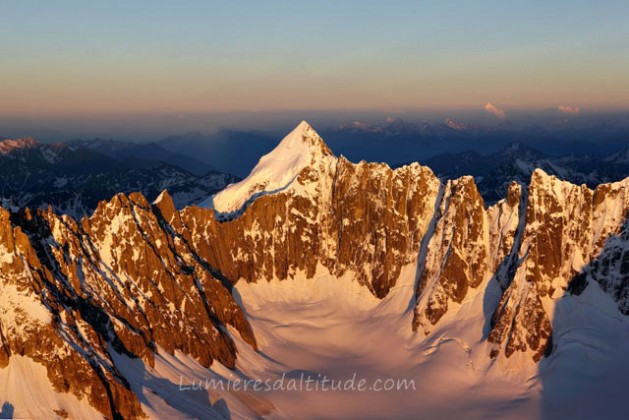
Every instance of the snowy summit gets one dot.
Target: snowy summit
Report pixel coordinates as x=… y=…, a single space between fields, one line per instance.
x=275 y=171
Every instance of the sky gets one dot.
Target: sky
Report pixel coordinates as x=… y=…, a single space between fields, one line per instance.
x=66 y=59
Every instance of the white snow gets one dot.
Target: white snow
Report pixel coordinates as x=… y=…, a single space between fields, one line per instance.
x=586 y=377
x=26 y=392
x=20 y=311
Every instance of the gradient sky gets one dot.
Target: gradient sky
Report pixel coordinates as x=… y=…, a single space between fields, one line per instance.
x=137 y=57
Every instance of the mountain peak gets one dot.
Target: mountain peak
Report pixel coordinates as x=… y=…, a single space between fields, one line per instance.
x=303 y=126
x=9 y=145
x=455 y=125
x=303 y=139
x=521 y=151
x=275 y=171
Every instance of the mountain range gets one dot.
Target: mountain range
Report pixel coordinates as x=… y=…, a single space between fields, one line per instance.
x=145 y=153
x=313 y=265
x=397 y=141
x=517 y=162
x=74 y=177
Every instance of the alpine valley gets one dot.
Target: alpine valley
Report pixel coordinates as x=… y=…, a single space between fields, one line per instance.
x=314 y=266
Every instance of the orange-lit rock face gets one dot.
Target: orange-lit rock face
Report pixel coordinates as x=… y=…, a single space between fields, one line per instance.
x=457 y=256
x=379 y=217
x=364 y=218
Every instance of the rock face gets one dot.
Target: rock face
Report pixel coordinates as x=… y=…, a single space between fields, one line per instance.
x=139 y=278
x=610 y=270
x=378 y=218
x=566 y=228
x=458 y=253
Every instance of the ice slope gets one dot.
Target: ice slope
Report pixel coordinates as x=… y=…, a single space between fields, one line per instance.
x=334 y=327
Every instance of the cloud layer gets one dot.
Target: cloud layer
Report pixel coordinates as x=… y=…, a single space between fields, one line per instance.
x=573 y=110
x=495 y=111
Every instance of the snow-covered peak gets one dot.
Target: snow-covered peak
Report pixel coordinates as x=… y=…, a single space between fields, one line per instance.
x=539 y=173
x=9 y=145
x=541 y=180
x=275 y=171
x=619 y=158
x=455 y=125
x=520 y=151
x=303 y=143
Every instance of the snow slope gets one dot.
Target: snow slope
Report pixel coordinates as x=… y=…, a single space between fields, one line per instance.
x=166 y=390
x=335 y=327
x=26 y=392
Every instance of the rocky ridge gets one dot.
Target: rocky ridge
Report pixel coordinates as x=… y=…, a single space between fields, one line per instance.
x=119 y=281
